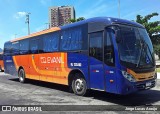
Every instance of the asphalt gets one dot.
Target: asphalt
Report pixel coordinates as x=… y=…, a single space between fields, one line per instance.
x=12 y=92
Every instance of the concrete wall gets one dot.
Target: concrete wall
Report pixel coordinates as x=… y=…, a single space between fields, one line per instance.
x=156 y=57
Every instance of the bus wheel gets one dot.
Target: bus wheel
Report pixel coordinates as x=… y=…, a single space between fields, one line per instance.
x=21 y=75
x=79 y=86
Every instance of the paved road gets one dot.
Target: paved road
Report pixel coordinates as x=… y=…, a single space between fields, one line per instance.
x=40 y=93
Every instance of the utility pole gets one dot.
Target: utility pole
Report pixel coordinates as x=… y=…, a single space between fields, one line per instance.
x=47 y=25
x=27 y=21
x=119 y=8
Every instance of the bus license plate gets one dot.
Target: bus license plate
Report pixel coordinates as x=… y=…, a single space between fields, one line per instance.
x=148 y=84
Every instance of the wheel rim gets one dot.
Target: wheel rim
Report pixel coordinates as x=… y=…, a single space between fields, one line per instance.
x=21 y=76
x=79 y=85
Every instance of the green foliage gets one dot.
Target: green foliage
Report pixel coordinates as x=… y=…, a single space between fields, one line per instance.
x=80 y=19
x=72 y=20
x=157 y=49
x=158 y=70
x=153 y=29
x=76 y=20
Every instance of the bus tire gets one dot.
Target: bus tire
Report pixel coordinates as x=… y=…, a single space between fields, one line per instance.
x=21 y=76
x=79 y=85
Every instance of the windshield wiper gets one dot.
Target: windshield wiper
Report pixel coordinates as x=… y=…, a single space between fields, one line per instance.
x=150 y=54
x=143 y=45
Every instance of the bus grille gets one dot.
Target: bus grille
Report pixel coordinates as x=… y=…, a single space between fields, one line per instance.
x=146 y=78
x=143 y=85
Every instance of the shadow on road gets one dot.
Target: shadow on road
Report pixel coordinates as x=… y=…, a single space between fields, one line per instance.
x=147 y=97
x=44 y=84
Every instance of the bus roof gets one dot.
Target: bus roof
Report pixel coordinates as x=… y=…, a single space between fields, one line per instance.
x=37 y=33
x=105 y=20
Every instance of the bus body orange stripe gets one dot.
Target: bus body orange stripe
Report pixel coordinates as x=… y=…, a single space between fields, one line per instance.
x=56 y=72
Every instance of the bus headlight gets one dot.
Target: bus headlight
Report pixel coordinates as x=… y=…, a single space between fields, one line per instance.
x=128 y=76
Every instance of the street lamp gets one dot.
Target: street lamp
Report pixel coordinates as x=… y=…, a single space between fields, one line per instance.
x=27 y=21
x=119 y=8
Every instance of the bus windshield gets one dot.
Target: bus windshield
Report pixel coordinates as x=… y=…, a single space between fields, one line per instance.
x=135 y=48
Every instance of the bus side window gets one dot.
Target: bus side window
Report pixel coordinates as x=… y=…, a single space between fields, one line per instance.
x=24 y=46
x=108 y=48
x=71 y=39
x=96 y=49
x=34 y=46
x=7 y=49
x=15 y=48
x=50 y=42
x=1 y=57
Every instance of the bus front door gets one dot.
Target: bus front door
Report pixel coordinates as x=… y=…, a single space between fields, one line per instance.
x=96 y=67
x=102 y=68
x=109 y=62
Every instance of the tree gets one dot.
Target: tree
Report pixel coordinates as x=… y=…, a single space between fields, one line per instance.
x=153 y=29
x=157 y=50
x=76 y=20
x=72 y=20
x=80 y=19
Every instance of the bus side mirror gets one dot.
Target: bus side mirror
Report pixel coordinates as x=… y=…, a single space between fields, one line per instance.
x=118 y=36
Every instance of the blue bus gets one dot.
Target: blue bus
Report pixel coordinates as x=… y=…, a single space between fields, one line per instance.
x=1 y=62
x=101 y=53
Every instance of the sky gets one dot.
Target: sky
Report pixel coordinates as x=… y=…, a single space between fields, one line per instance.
x=13 y=13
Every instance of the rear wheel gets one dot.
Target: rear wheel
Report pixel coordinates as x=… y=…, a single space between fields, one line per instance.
x=79 y=86
x=21 y=75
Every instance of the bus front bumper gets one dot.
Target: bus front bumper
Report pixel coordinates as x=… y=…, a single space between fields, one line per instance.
x=138 y=86
x=146 y=85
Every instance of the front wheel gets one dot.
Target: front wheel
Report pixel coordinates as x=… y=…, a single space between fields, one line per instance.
x=21 y=75
x=79 y=86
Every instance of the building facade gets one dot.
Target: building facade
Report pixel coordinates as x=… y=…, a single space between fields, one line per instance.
x=60 y=15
